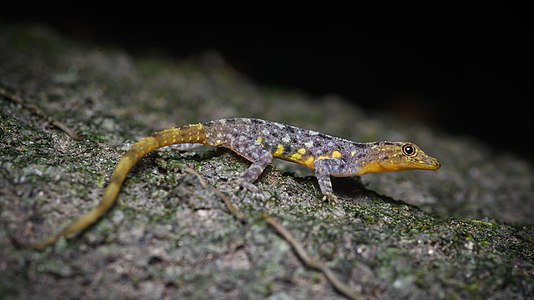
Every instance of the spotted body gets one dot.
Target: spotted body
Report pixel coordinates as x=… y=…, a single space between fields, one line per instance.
x=260 y=141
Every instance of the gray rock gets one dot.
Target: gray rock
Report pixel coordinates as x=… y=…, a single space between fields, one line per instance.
x=464 y=231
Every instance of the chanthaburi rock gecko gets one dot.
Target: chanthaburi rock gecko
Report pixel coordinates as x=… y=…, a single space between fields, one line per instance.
x=260 y=141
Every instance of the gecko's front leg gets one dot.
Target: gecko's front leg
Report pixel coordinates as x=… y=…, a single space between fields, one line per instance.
x=323 y=169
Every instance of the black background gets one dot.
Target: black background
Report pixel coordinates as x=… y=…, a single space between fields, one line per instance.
x=461 y=70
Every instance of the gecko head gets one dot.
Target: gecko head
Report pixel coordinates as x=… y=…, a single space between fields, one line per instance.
x=397 y=156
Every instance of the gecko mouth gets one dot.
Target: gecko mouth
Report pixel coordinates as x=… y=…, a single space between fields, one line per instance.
x=430 y=164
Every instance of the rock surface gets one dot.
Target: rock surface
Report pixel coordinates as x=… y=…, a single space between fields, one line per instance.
x=465 y=231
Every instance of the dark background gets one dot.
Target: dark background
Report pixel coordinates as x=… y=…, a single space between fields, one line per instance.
x=465 y=74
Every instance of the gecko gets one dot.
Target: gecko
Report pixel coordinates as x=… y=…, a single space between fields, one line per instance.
x=259 y=141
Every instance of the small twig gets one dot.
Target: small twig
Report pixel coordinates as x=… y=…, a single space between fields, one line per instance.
x=281 y=230
x=231 y=208
x=308 y=261
x=203 y=182
x=38 y=112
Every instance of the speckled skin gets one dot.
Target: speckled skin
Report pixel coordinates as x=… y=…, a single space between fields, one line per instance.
x=260 y=141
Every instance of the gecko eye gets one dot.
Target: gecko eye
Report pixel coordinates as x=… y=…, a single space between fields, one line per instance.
x=409 y=149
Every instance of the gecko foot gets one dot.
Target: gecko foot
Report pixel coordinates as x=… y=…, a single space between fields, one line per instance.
x=247 y=187
x=331 y=198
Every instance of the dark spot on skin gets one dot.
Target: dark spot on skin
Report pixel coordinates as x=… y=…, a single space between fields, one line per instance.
x=361 y=155
x=275 y=134
x=323 y=136
x=357 y=145
x=291 y=130
x=384 y=157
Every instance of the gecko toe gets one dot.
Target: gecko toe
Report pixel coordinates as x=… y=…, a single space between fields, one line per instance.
x=330 y=198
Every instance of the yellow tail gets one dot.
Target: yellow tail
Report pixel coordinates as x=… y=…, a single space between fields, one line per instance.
x=194 y=133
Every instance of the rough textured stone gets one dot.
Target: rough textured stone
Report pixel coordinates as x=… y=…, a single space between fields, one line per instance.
x=464 y=231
